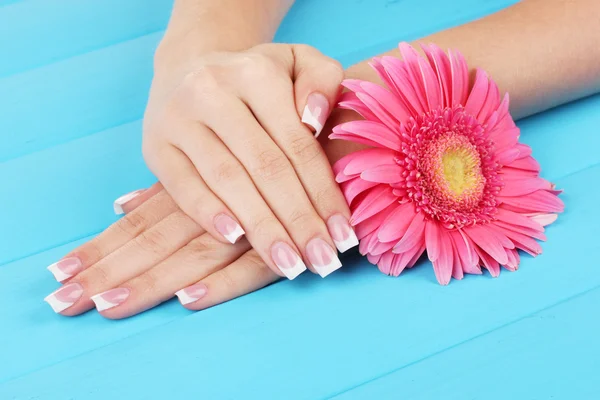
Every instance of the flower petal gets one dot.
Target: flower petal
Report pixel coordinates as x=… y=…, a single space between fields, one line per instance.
x=443 y=265
x=383 y=174
x=397 y=222
x=376 y=200
x=539 y=201
x=355 y=187
x=369 y=158
x=367 y=132
x=413 y=235
x=372 y=224
x=488 y=242
x=432 y=240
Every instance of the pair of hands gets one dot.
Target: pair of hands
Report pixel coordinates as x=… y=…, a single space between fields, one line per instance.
x=225 y=136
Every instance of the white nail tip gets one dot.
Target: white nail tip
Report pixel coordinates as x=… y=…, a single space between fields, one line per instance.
x=309 y=118
x=118 y=204
x=59 y=275
x=102 y=304
x=350 y=242
x=296 y=270
x=325 y=270
x=56 y=304
x=185 y=298
x=235 y=235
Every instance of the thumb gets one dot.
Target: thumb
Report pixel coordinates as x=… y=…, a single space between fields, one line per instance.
x=317 y=85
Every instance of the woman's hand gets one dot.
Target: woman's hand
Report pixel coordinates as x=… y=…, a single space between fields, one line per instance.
x=225 y=136
x=149 y=255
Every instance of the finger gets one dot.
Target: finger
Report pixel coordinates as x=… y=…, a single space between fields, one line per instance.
x=130 y=201
x=195 y=261
x=193 y=196
x=317 y=85
x=134 y=258
x=247 y=274
x=144 y=217
x=274 y=109
x=227 y=178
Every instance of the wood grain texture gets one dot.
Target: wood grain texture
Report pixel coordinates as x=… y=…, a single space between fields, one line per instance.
x=72 y=92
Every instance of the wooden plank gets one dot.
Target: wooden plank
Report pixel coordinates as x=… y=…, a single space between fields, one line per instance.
x=309 y=338
x=551 y=354
x=39 y=32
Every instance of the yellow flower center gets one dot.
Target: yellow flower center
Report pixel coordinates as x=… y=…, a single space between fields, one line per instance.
x=461 y=169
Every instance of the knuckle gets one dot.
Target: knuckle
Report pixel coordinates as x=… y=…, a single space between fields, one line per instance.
x=262 y=226
x=301 y=219
x=304 y=149
x=228 y=281
x=95 y=277
x=258 y=63
x=271 y=165
x=333 y=70
x=132 y=224
x=153 y=241
x=147 y=282
x=226 y=171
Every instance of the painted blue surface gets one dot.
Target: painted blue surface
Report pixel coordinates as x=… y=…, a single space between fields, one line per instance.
x=73 y=83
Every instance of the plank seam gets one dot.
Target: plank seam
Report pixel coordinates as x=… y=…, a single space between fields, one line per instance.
x=502 y=326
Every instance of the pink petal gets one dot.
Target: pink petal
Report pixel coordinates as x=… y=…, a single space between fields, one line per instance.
x=416 y=256
x=349 y=101
x=467 y=256
x=397 y=222
x=355 y=187
x=372 y=224
x=519 y=187
x=490 y=263
x=488 y=242
x=385 y=262
x=432 y=240
x=478 y=94
x=514 y=218
x=367 y=132
x=539 y=201
x=378 y=110
x=507 y=156
x=457 y=271
x=387 y=100
x=369 y=158
x=443 y=265
x=513 y=260
x=411 y=65
x=341 y=164
x=431 y=84
x=373 y=259
x=460 y=78
x=383 y=174
x=492 y=101
x=519 y=229
x=404 y=89
x=376 y=200
x=544 y=219
x=523 y=242
x=526 y=163
x=413 y=235
x=441 y=65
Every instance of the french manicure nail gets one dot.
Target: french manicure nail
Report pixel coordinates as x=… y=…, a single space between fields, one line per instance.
x=287 y=260
x=65 y=268
x=228 y=227
x=316 y=111
x=192 y=293
x=64 y=297
x=118 y=204
x=111 y=298
x=342 y=233
x=322 y=257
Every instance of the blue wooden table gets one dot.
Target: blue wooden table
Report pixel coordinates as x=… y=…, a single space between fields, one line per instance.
x=74 y=75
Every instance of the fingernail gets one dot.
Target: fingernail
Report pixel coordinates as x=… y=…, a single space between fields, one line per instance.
x=65 y=268
x=322 y=257
x=111 y=298
x=192 y=293
x=342 y=233
x=316 y=112
x=64 y=297
x=287 y=260
x=118 y=204
x=228 y=227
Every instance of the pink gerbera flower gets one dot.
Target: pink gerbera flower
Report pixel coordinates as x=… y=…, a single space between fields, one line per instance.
x=445 y=172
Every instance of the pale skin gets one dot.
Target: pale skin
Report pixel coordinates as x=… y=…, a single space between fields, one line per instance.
x=545 y=57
